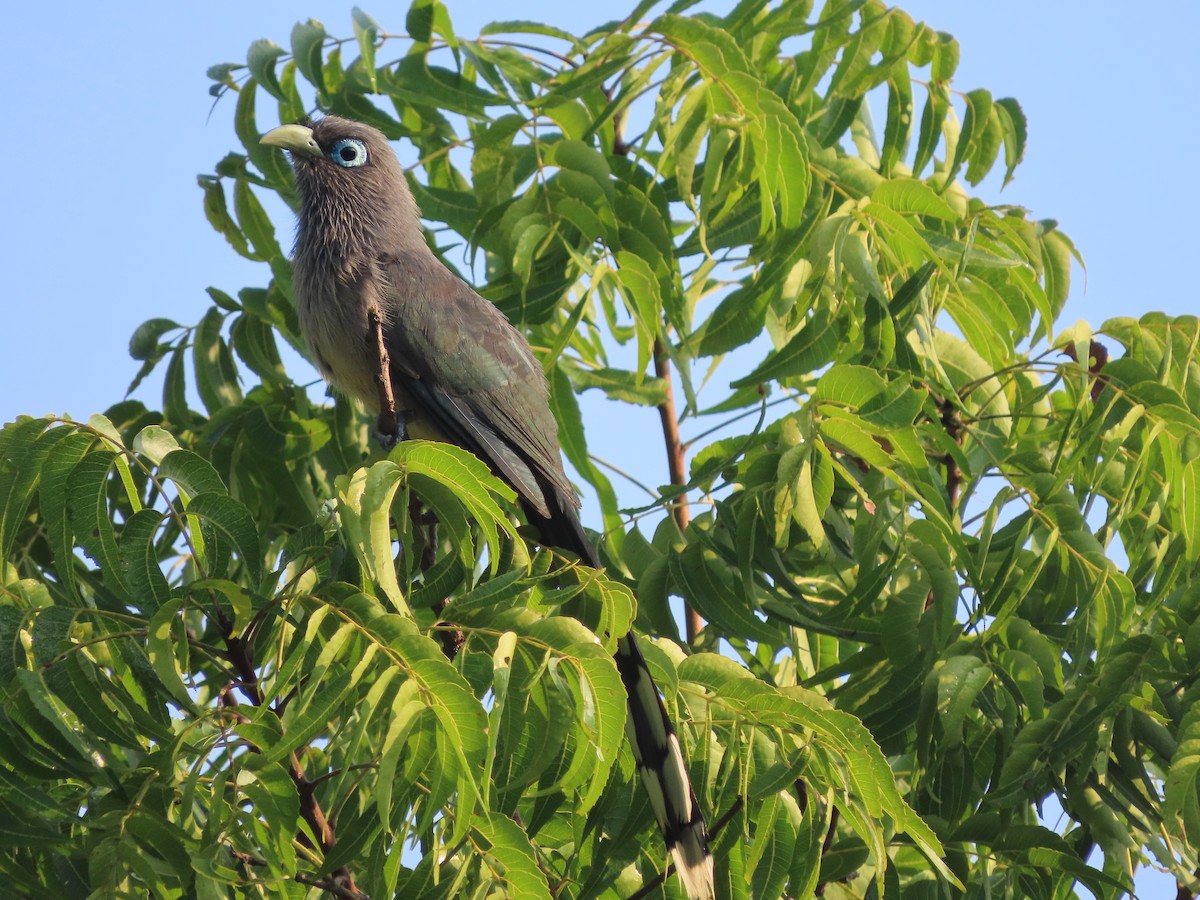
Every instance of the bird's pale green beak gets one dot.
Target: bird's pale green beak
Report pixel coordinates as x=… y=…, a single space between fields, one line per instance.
x=296 y=138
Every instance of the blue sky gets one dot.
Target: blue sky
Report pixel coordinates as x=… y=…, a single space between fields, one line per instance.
x=108 y=123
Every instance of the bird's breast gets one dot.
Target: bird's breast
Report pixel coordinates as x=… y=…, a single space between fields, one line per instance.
x=334 y=318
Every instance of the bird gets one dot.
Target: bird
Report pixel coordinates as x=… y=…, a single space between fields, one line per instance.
x=389 y=324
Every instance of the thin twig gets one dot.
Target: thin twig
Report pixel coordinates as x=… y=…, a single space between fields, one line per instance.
x=600 y=461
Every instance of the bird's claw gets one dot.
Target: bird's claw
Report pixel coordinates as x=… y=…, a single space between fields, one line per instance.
x=389 y=431
x=388 y=438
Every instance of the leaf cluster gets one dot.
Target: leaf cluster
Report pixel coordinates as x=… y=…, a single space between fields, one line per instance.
x=946 y=556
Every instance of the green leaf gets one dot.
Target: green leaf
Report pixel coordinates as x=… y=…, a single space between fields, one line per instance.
x=366 y=32
x=589 y=678
x=987 y=147
x=709 y=587
x=906 y=195
x=140 y=562
x=191 y=473
x=254 y=342
x=937 y=106
x=945 y=57
x=310 y=715
x=260 y=59
x=640 y=288
x=366 y=499
x=1181 y=809
x=974 y=126
x=809 y=349
x=216 y=210
x=55 y=494
x=267 y=160
x=774 y=844
x=168 y=651
x=232 y=521
x=254 y=222
x=781 y=160
x=1190 y=507
x=618 y=384
x=573 y=440
x=91 y=518
x=1013 y=124
x=22 y=449
x=959 y=683
x=216 y=375
x=308 y=41
x=508 y=858
x=417 y=82
x=144 y=343
x=526 y=26
x=737 y=319
x=82 y=689
x=898 y=130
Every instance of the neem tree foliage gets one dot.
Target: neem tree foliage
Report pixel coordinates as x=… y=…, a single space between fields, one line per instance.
x=946 y=555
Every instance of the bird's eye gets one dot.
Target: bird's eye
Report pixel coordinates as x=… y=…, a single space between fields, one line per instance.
x=349 y=152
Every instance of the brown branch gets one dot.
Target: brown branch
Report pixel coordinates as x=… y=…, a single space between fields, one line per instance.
x=666 y=410
x=1097 y=360
x=619 y=147
x=676 y=467
x=653 y=884
x=326 y=884
x=240 y=655
x=452 y=638
x=729 y=814
x=833 y=824
x=387 y=426
x=802 y=799
x=331 y=886
x=952 y=423
x=310 y=809
x=819 y=891
x=1184 y=892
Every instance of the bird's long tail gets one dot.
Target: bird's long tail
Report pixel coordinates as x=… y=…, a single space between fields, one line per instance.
x=656 y=749
x=664 y=773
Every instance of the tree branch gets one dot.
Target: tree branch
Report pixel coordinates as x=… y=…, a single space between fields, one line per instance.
x=387 y=426
x=676 y=461
x=240 y=655
x=952 y=423
x=676 y=467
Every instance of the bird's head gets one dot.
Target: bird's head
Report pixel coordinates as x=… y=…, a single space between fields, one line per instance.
x=350 y=182
x=333 y=143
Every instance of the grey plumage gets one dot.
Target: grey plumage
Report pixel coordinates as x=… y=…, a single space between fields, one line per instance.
x=461 y=373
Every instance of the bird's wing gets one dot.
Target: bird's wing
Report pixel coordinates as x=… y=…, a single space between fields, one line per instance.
x=475 y=380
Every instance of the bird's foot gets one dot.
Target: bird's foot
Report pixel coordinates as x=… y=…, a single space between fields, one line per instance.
x=387 y=441
x=389 y=431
